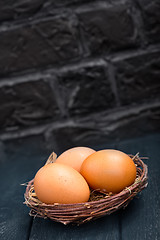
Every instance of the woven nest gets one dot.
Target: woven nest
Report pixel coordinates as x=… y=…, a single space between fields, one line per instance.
x=99 y=204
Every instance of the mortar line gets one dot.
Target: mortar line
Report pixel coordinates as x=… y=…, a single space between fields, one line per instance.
x=113 y=83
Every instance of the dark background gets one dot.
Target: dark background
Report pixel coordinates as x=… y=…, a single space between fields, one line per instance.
x=79 y=72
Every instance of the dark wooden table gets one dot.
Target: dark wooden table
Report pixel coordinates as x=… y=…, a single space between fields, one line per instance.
x=19 y=161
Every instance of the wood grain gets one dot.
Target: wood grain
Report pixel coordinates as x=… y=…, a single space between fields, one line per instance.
x=141 y=219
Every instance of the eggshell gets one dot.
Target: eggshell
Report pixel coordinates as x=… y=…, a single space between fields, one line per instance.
x=109 y=170
x=59 y=183
x=74 y=157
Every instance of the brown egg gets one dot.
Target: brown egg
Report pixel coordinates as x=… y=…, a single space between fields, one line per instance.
x=74 y=157
x=109 y=170
x=59 y=183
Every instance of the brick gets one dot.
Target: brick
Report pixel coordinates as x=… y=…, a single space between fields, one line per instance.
x=77 y=135
x=39 y=44
x=21 y=10
x=108 y=28
x=86 y=89
x=137 y=77
x=16 y=9
x=26 y=104
x=150 y=11
x=98 y=129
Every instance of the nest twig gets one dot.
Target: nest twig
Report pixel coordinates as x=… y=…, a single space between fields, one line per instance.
x=99 y=204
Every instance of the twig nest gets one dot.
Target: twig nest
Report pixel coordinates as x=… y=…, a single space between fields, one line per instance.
x=99 y=204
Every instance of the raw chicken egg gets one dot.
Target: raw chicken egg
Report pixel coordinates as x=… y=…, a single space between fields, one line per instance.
x=109 y=170
x=59 y=183
x=74 y=157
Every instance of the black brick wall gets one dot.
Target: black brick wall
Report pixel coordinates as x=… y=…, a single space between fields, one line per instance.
x=38 y=44
x=79 y=71
x=138 y=77
x=108 y=28
x=86 y=89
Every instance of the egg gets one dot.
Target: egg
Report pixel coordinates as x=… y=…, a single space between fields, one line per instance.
x=59 y=183
x=109 y=170
x=74 y=157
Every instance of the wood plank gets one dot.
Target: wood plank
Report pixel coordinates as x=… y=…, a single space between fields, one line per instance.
x=100 y=229
x=20 y=160
x=141 y=219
